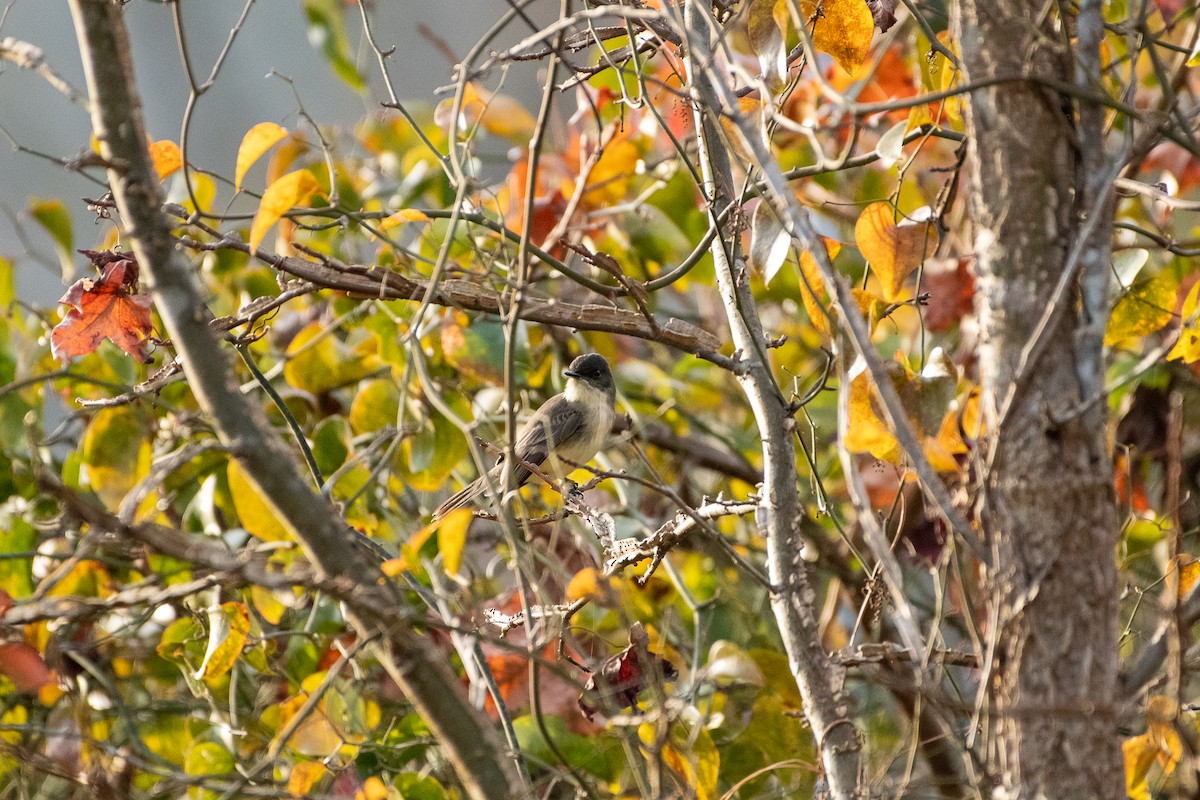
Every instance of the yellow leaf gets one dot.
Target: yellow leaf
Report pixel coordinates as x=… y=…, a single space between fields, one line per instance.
x=812 y=288
x=166 y=158
x=229 y=628
x=452 y=537
x=304 y=777
x=893 y=250
x=281 y=197
x=410 y=553
x=1159 y=743
x=258 y=140
x=204 y=189
x=870 y=306
x=697 y=769
x=267 y=604
x=843 y=29
x=1143 y=310
x=402 y=216
x=1188 y=346
x=609 y=179
x=1139 y=755
x=256 y=515
x=318 y=362
x=953 y=106
x=1161 y=715
x=316 y=735
x=866 y=432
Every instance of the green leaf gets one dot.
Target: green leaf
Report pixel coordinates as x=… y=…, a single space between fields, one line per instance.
x=413 y=786
x=204 y=760
x=593 y=754
x=375 y=406
x=327 y=30
x=181 y=641
x=431 y=454
x=56 y=219
x=329 y=446
x=475 y=347
x=16 y=577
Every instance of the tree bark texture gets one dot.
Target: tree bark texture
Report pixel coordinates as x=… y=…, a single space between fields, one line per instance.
x=1045 y=497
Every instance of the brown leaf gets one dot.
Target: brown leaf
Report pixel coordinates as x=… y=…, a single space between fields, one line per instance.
x=107 y=307
x=883 y=12
x=951 y=288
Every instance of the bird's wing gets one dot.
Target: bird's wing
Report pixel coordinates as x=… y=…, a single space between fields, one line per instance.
x=557 y=415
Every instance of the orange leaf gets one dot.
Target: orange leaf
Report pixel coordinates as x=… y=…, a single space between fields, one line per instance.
x=258 y=140
x=495 y=113
x=166 y=158
x=281 y=197
x=843 y=29
x=1189 y=573
x=304 y=777
x=107 y=307
x=373 y=789
x=893 y=250
x=24 y=666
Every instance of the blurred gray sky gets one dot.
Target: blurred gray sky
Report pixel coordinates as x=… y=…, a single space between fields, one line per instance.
x=274 y=38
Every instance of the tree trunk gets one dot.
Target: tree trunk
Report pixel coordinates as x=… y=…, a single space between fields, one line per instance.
x=1045 y=495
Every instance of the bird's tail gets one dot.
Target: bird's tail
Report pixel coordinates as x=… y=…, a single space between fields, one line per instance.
x=466 y=495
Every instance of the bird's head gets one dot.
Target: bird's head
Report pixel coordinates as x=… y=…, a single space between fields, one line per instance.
x=591 y=370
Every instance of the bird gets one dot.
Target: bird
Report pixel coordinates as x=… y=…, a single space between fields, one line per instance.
x=568 y=429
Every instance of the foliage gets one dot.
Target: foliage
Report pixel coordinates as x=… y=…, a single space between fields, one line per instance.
x=392 y=320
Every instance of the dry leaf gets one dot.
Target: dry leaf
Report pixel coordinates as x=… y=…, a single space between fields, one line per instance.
x=107 y=307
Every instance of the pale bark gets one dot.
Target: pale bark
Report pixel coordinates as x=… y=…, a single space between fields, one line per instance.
x=793 y=600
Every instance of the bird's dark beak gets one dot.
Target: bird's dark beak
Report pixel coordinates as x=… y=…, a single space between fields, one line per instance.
x=570 y=373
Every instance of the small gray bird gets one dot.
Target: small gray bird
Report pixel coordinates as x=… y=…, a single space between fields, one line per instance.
x=569 y=427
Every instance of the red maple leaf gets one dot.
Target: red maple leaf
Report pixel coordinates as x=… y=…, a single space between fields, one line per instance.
x=105 y=307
